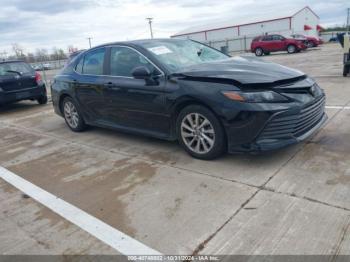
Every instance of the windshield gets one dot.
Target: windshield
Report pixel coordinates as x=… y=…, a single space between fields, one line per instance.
x=14 y=67
x=177 y=54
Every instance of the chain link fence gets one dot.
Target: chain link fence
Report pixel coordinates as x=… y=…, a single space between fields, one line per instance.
x=49 y=65
x=232 y=46
x=48 y=70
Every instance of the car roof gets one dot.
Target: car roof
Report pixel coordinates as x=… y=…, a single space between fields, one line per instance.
x=11 y=61
x=142 y=41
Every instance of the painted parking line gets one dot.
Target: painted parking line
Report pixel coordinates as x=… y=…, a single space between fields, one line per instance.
x=338 y=107
x=121 y=242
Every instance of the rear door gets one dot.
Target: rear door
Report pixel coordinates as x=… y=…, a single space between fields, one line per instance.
x=266 y=43
x=278 y=42
x=89 y=84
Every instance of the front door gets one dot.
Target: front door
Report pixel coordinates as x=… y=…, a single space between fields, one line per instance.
x=135 y=103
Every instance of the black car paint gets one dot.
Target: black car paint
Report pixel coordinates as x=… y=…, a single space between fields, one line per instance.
x=150 y=107
x=17 y=87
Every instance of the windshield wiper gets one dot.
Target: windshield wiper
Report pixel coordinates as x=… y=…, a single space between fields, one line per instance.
x=13 y=71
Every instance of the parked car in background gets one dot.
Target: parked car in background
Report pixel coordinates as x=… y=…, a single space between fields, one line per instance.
x=301 y=38
x=47 y=66
x=37 y=67
x=42 y=67
x=177 y=89
x=273 y=43
x=311 y=41
x=333 y=39
x=19 y=81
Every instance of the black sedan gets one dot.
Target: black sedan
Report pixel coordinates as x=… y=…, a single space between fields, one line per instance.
x=183 y=90
x=19 y=81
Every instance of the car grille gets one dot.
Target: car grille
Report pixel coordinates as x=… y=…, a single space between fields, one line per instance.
x=295 y=125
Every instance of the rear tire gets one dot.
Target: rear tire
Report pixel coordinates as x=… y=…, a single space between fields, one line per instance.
x=346 y=70
x=291 y=49
x=259 y=51
x=200 y=132
x=72 y=116
x=42 y=100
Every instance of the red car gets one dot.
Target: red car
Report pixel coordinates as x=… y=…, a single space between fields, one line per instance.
x=312 y=41
x=273 y=43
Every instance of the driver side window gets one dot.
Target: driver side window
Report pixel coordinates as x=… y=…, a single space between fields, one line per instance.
x=124 y=60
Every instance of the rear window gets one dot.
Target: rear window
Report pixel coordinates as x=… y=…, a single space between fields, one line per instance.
x=91 y=63
x=11 y=68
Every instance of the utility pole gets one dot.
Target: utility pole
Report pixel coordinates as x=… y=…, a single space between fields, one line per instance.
x=348 y=21
x=150 y=19
x=89 y=38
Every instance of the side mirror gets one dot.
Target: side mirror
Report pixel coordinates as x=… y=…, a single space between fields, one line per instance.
x=141 y=72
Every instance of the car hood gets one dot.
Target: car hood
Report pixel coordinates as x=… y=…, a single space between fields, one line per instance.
x=242 y=69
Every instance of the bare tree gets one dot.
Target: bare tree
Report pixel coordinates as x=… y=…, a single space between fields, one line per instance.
x=61 y=54
x=18 y=50
x=41 y=54
x=3 y=55
x=30 y=58
x=54 y=55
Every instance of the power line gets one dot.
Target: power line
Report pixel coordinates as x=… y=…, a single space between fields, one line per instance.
x=348 y=20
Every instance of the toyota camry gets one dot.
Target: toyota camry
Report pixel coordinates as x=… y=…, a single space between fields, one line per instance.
x=183 y=90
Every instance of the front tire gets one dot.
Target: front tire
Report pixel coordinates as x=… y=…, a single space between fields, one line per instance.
x=291 y=49
x=310 y=44
x=259 y=51
x=200 y=133
x=71 y=114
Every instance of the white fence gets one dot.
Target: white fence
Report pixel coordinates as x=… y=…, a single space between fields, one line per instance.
x=58 y=64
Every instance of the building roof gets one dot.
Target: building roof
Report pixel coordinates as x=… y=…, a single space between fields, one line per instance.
x=266 y=16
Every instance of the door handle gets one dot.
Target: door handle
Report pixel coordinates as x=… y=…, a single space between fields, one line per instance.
x=111 y=86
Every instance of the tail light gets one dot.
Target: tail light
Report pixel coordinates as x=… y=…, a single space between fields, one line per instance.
x=37 y=78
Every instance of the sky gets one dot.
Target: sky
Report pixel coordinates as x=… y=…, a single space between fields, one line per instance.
x=59 y=23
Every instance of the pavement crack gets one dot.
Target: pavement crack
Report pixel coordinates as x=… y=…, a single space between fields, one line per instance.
x=203 y=244
x=269 y=189
x=340 y=242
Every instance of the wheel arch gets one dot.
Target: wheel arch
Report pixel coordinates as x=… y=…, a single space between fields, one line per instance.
x=292 y=44
x=188 y=101
x=60 y=101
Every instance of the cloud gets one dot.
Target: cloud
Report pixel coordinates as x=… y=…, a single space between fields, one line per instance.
x=49 y=23
x=47 y=6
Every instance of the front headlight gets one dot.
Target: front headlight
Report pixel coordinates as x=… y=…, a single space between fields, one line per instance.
x=315 y=90
x=255 y=97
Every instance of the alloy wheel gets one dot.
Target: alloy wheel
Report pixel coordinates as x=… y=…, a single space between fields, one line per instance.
x=291 y=49
x=259 y=52
x=71 y=114
x=197 y=133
